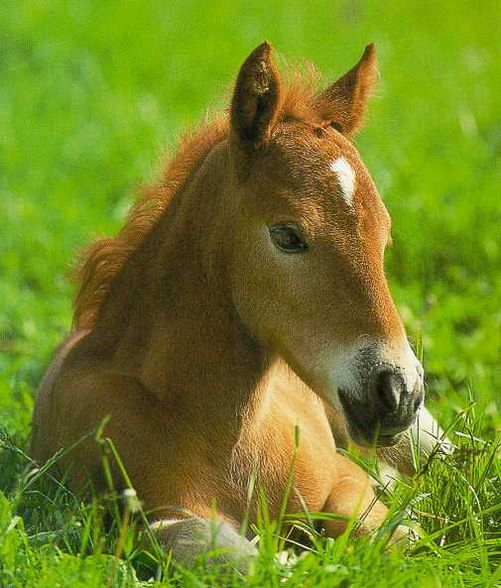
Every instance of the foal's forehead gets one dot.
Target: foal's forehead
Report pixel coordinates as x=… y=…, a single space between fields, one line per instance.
x=323 y=178
x=324 y=160
x=346 y=177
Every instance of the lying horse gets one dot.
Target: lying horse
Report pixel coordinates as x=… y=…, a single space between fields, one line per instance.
x=244 y=297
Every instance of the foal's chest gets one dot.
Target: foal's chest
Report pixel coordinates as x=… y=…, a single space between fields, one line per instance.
x=284 y=461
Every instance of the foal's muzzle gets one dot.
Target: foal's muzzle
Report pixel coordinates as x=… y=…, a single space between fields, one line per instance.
x=378 y=414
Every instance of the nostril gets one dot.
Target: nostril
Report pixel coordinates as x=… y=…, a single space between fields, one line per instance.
x=418 y=399
x=388 y=388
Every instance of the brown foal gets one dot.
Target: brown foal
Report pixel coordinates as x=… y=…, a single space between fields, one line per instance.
x=244 y=297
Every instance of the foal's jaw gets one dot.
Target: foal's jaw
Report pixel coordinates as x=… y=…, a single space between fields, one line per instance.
x=379 y=388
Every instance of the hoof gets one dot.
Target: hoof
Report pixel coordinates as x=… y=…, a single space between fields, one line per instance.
x=213 y=541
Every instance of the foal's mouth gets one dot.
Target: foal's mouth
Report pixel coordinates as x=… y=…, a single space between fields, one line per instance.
x=364 y=428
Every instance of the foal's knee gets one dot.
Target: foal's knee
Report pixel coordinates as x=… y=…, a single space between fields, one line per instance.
x=191 y=537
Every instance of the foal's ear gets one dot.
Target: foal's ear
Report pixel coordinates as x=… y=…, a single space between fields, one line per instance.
x=256 y=98
x=344 y=103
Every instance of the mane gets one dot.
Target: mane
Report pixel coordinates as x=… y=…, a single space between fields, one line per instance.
x=102 y=262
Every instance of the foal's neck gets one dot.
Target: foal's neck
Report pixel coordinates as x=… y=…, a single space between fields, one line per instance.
x=185 y=341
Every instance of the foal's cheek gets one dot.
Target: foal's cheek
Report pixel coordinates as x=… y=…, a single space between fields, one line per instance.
x=260 y=286
x=250 y=281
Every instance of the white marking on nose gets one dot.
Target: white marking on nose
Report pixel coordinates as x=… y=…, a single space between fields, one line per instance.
x=346 y=177
x=349 y=366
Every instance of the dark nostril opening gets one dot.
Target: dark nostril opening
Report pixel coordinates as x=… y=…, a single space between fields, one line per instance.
x=418 y=399
x=388 y=387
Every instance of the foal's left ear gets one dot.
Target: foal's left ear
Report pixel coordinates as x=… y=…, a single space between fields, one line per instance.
x=344 y=103
x=256 y=99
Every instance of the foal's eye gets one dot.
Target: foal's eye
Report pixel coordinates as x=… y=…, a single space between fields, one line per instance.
x=287 y=238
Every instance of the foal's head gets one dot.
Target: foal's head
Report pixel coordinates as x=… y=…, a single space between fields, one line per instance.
x=308 y=245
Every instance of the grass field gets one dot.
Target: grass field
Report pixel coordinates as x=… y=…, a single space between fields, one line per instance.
x=92 y=93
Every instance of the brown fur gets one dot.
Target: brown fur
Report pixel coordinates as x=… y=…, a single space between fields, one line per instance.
x=103 y=261
x=185 y=337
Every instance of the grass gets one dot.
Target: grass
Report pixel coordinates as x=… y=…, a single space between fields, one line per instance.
x=92 y=92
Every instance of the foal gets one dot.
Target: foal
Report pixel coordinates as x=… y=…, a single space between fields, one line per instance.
x=244 y=295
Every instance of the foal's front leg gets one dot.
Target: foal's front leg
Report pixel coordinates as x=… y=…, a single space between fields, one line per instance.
x=189 y=537
x=352 y=496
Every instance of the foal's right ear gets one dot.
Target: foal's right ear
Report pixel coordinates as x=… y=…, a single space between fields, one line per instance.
x=344 y=103
x=256 y=99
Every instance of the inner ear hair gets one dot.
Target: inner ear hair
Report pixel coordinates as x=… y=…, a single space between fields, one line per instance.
x=337 y=126
x=256 y=99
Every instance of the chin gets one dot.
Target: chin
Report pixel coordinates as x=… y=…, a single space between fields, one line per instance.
x=367 y=438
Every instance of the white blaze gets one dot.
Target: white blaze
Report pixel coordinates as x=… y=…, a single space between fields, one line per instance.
x=346 y=178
